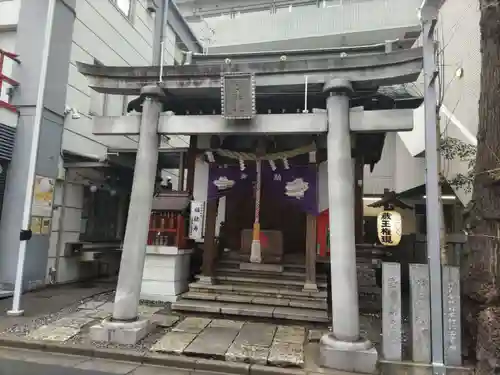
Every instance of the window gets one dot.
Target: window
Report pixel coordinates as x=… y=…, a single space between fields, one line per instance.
x=125 y=6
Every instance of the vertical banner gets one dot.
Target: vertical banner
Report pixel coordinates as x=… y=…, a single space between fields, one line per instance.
x=197 y=220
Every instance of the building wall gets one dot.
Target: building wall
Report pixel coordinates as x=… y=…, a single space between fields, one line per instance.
x=102 y=33
x=460 y=66
x=86 y=31
x=293 y=20
x=458 y=33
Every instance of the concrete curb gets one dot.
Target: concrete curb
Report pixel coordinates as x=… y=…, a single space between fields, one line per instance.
x=166 y=360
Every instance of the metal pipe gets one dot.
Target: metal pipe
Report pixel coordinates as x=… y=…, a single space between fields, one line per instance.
x=180 y=183
x=159 y=32
x=28 y=199
x=428 y=17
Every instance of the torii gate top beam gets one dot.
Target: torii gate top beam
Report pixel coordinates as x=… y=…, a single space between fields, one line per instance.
x=278 y=76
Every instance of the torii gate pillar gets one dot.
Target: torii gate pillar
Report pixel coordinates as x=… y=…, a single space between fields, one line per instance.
x=343 y=348
x=126 y=327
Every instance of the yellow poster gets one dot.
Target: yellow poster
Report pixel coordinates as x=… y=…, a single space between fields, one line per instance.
x=43 y=195
x=36 y=225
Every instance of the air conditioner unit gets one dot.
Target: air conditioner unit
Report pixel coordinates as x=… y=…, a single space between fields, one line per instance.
x=151 y=6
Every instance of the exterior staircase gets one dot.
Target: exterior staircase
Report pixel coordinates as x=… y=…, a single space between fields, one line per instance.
x=258 y=294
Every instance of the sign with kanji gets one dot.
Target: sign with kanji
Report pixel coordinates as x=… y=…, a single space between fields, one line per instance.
x=238 y=96
x=197 y=220
x=389 y=228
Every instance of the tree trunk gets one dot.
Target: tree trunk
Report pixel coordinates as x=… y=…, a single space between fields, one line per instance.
x=481 y=265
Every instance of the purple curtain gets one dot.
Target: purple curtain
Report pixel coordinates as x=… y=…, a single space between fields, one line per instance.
x=222 y=180
x=298 y=185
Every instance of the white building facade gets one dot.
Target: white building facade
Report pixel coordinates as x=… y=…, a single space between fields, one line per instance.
x=86 y=183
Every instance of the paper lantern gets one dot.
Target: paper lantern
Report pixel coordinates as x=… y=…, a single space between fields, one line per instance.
x=389 y=228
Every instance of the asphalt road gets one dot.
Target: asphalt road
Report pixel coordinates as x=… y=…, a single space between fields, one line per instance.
x=32 y=366
x=13 y=367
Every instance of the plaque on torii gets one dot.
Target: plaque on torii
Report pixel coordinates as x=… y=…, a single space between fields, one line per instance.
x=238 y=96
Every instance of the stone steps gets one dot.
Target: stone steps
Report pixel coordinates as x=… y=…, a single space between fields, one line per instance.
x=251 y=310
x=268 y=301
x=251 y=289
x=287 y=275
x=226 y=262
x=278 y=280
x=366 y=277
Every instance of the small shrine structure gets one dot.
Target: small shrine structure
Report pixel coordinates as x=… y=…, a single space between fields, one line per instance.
x=260 y=125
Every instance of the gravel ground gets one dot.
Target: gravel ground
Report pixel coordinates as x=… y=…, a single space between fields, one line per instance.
x=22 y=330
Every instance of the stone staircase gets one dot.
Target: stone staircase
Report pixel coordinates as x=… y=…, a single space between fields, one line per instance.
x=251 y=293
x=269 y=294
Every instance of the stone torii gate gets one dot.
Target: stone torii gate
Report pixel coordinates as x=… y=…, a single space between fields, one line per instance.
x=336 y=79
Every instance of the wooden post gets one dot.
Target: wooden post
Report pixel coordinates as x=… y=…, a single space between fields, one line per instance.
x=191 y=161
x=310 y=282
x=209 y=250
x=358 y=196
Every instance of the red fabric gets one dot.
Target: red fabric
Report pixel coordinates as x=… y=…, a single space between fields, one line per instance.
x=322 y=232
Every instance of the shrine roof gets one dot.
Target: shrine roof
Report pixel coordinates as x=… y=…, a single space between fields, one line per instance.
x=274 y=73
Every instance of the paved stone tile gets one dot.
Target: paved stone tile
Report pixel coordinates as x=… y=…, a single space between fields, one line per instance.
x=192 y=325
x=91 y=305
x=108 y=307
x=165 y=321
x=107 y=366
x=286 y=354
x=173 y=342
x=239 y=352
x=53 y=333
x=148 y=310
x=290 y=334
x=212 y=342
x=271 y=301
x=252 y=343
x=72 y=322
x=99 y=314
x=225 y=323
x=260 y=334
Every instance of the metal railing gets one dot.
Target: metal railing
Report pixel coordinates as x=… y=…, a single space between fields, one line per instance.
x=5 y=79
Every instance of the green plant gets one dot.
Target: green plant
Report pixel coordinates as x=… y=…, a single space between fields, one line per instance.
x=452 y=149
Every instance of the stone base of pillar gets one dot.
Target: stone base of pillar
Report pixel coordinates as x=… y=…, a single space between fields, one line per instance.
x=310 y=287
x=360 y=356
x=210 y=280
x=124 y=333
